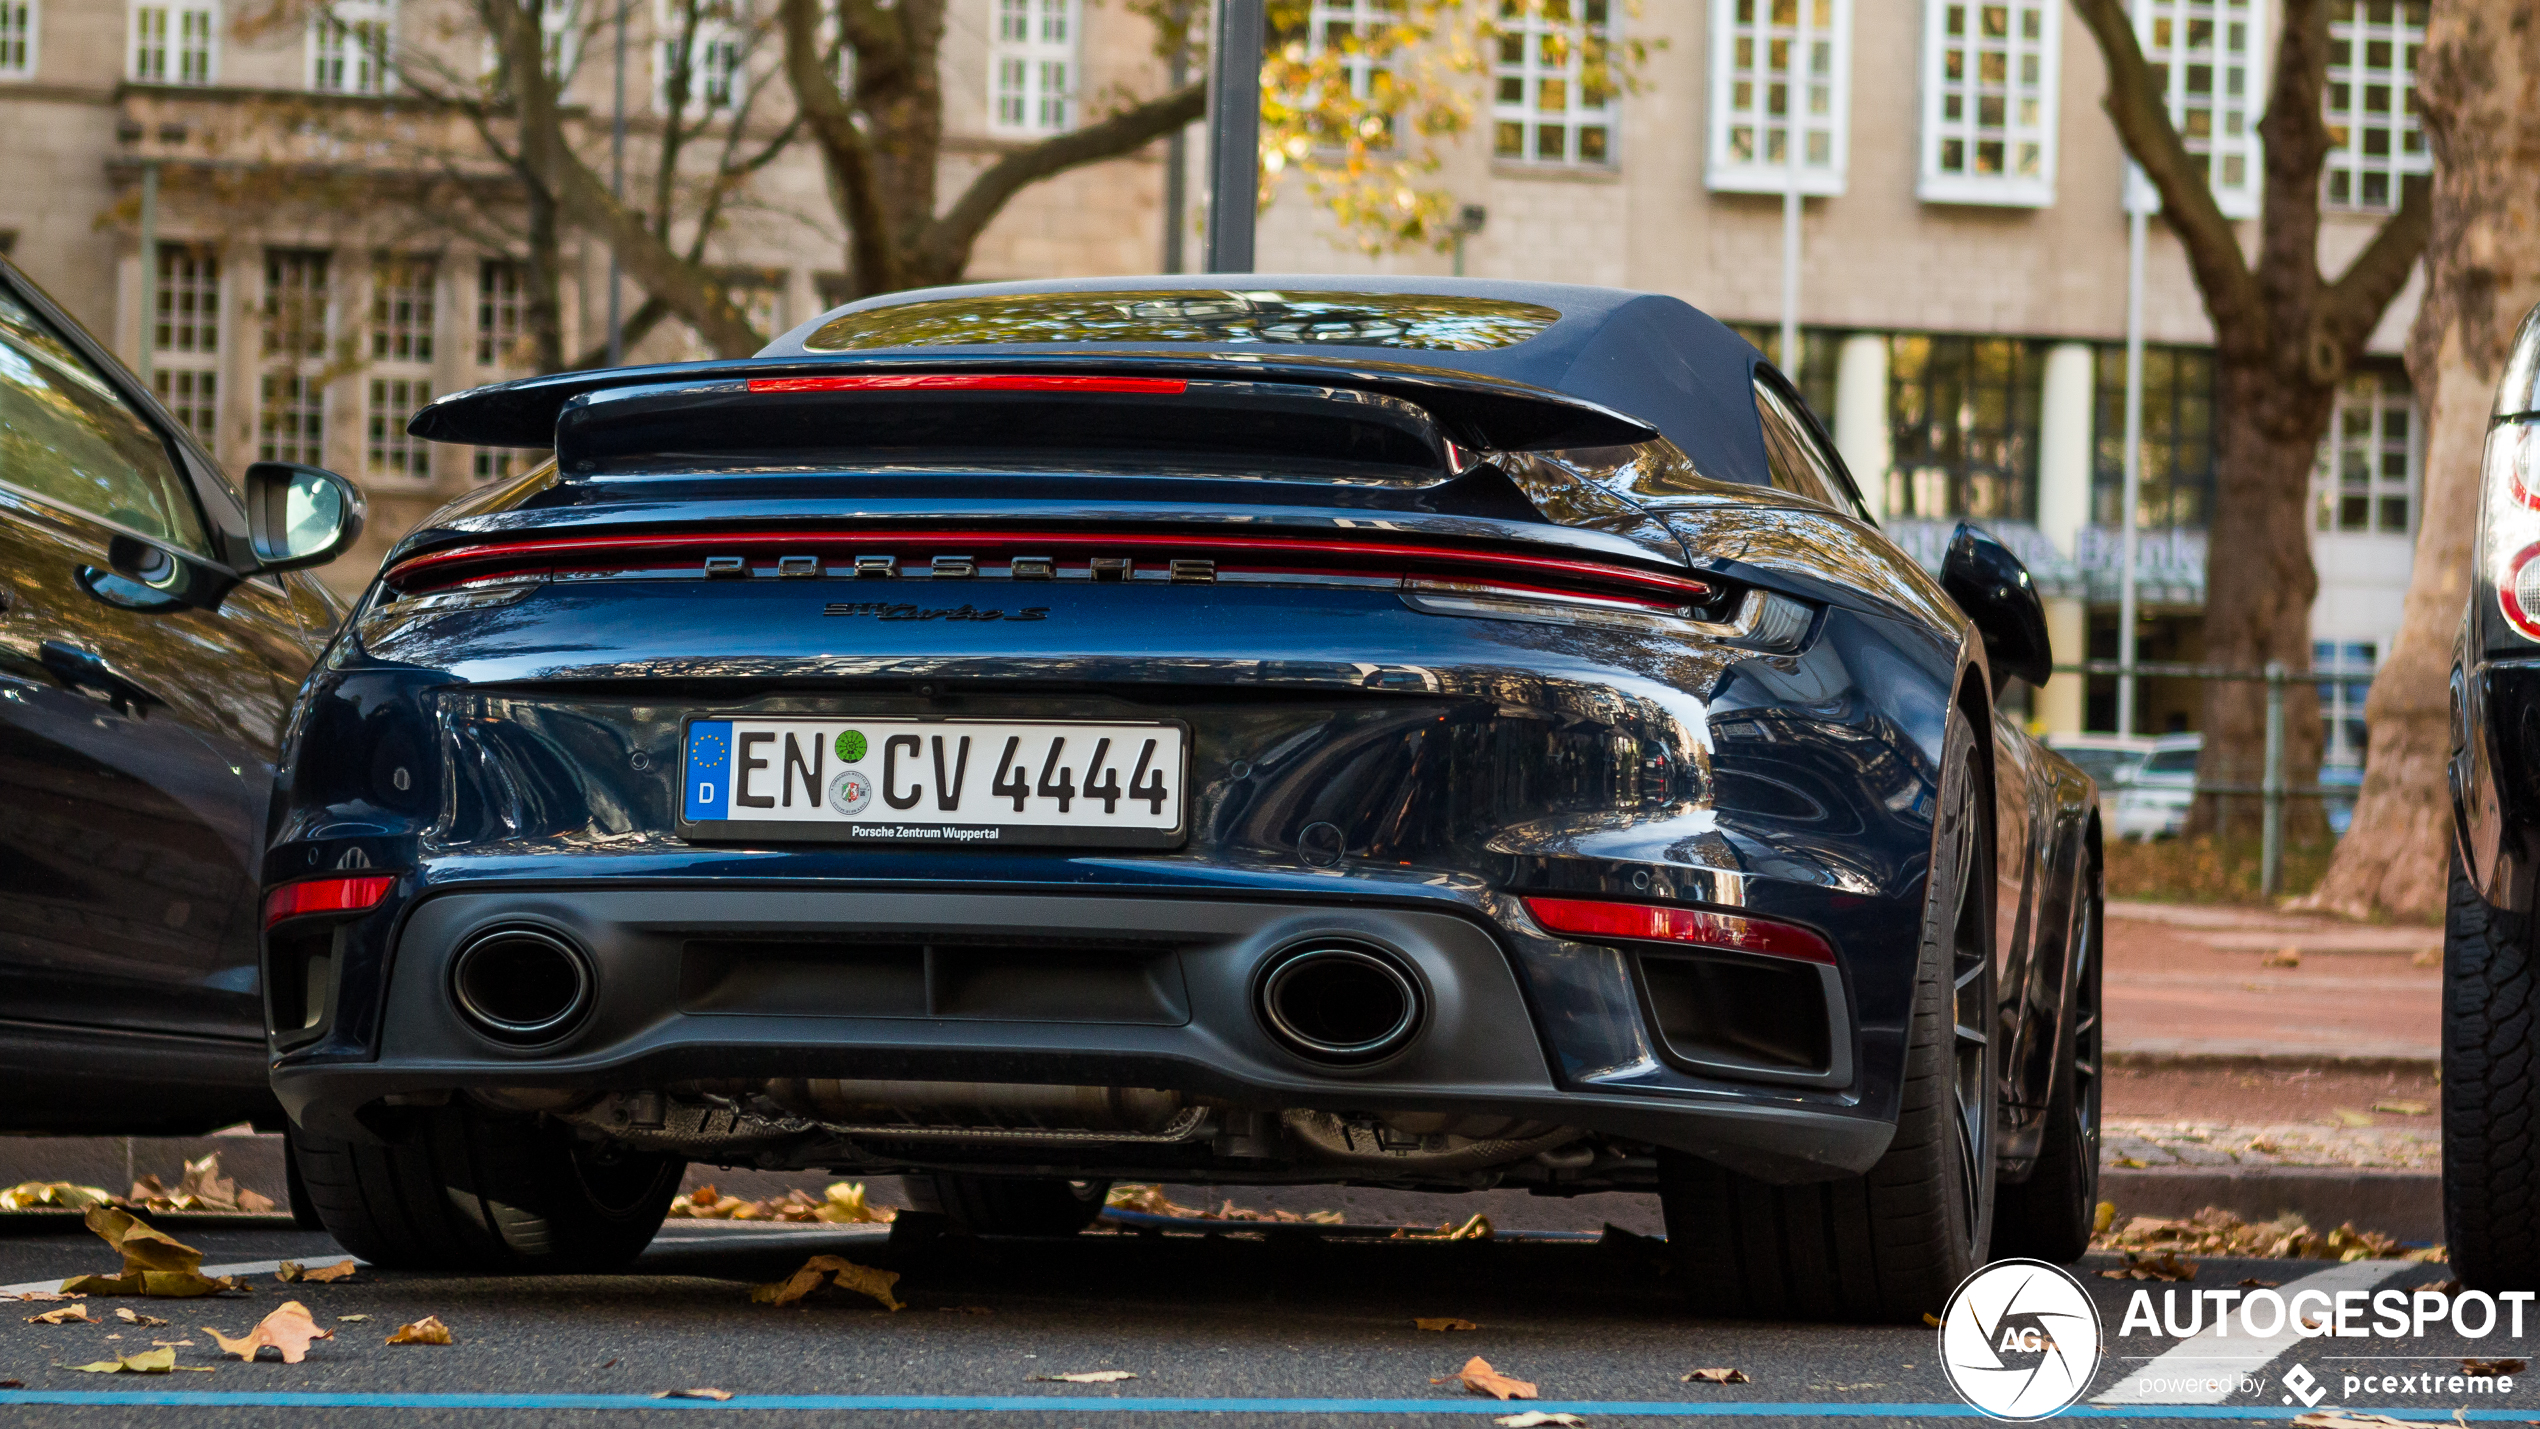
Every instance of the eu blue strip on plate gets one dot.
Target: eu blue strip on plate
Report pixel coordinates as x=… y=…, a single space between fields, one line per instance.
x=709 y=758
x=1084 y=1405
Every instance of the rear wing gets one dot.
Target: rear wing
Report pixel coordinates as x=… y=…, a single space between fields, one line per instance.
x=901 y=398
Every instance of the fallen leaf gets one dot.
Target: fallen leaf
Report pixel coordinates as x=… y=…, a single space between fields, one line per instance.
x=40 y=1295
x=288 y=1329
x=187 y=1343
x=701 y=1392
x=329 y=1274
x=2400 y=1106
x=2104 y=1217
x=826 y=1269
x=12 y=1384
x=53 y=1196
x=2348 y=1116
x=289 y=1271
x=427 y=1331
x=1091 y=1376
x=352 y=1319
x=2495 y=1366
x=2282 y=958
x=131 y=1316
x=156 y=1361
x=2168 y=1265
x=1533 y=1417
x=154 y=1262
x=1480 y=1378
x=1448 y=1323
x=1721 y=1375
x=69 y=1315
x=2131 y=1163
x=2254 y=1283
x=1931 y=1319
x=2427 y=958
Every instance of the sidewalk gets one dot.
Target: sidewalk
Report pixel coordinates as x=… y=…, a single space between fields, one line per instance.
x=2190 y=982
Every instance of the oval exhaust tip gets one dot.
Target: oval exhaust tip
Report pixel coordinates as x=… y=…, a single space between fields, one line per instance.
x=1339 y=1002
x=523 y=986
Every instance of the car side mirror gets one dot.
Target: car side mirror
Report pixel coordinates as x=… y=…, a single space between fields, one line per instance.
x=1993 y=588
x=300 y=516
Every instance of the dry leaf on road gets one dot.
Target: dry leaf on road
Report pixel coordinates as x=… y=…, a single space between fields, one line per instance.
x=2348 y=1116
x=700 y=1392
x=1719 y=1375
x=201 y=1188
x=352 y=1319
x=292 y=1270
x=824 y=1269
x=2401 y=1106
x=1091 y=1376
x=427 y=1331
x=1446 y=1323
x=154 y=1262
x=52 y=1196
x=2495 y=1366
x=288 y=1329
x=158 y=1361
x=1533 y=1417
x=1480 y=1378
x=131 y=1316
x=67 y=1315
x=2168 y=1265
x=2282 y=958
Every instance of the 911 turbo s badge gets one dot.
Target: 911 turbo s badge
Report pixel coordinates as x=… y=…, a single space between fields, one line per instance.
x=892 y=610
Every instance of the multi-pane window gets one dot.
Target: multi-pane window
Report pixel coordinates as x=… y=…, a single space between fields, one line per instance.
x=291 y=419
x=1781 y=76
x=1962 y=426
x=1032 y=67
x=502 y=292
x=500 y=463
x=185 y=337
x=2342 y=723
x=297 y=296
x=401 y=309
x=701 y=55
x=2373 y=136
x=2203 y=56
x=391 y=454
x=2178 y=438
x=2365 y=481
x=176 y=41
x=1554 y=100
x=1351 y=30
x=349 y=44
x=1989 y=76
x=17 y=38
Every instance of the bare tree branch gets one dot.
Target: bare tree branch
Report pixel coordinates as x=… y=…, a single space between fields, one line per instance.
x=872 y=257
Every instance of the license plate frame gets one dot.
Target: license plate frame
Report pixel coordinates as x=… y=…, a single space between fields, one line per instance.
x=974 y=759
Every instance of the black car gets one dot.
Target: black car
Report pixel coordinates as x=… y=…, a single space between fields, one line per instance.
x=1412 y=733
x=154 y=626
x=2491 y=1082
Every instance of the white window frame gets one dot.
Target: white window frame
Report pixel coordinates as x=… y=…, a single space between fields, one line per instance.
x=2374 y=449
x=2240 y=200
x=714 y=32
x=2342 y=701
x=1034 y=77
x=2350 y=28
x=502 y=310
x=173 y=15
x=2028 y=93
x=1327 y=20
x=1754 y=170
x=339 y=22
x=23 y=19
x=189 y=357
x=1576 y=117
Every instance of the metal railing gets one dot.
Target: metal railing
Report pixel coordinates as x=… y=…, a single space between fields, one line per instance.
x=2271 y=787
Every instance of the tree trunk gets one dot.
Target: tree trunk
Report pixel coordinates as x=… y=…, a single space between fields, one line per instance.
x=543 y=310
x=2478 y=80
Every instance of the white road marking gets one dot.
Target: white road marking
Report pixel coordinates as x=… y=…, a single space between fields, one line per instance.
x=2206 y=1368
x=241 y=1267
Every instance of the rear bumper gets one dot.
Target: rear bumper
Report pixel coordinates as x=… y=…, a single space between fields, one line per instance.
x=926 y=985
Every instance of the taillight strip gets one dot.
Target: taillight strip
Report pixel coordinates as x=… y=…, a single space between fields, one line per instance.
x=1663 y=923
x=327 y=895
x=987 y=382
x=1679 y=589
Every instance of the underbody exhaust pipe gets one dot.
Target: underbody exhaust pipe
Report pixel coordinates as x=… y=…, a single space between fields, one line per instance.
x=1338 y=1002
x=984 y=1105
x=522 y=986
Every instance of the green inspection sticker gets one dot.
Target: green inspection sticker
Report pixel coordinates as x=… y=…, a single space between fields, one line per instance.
x=851 y=745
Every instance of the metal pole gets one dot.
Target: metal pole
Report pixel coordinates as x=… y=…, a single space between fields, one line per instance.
x=617 y=188
x=149 y=267
x=1790 y=252
x=1177 y=167
x=2271 y=850
x=1234 y=135
x=2136 y=217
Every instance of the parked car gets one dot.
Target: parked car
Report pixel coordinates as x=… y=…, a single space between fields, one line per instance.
x=2491 y=1088
x=1434 y=734
x=2106 y=758
x=2152 y=798
x=155 y=621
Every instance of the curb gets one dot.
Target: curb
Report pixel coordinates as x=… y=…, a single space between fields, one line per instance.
x=2407 y=1205
x=2269 y=1059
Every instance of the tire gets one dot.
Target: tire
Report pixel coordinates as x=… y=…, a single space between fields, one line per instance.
x=2491 y=1094
x=1890 y=1245
x=2050 y=1216
x=470 y=1190
x=1009 y=1205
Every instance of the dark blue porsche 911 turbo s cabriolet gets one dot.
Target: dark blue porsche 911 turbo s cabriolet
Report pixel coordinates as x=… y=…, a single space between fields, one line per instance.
x=1419 y=733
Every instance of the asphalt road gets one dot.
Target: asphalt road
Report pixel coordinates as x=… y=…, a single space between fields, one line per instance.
x=1287 y=1315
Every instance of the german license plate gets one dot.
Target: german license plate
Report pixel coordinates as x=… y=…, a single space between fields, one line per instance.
x=935 y=782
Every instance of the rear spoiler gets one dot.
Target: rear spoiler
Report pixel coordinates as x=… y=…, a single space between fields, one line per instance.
x=1481 y=413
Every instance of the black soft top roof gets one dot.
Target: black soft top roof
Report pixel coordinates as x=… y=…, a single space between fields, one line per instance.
x=1642 y=354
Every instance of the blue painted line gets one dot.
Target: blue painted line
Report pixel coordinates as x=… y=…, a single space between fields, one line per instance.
x=1074 y=1404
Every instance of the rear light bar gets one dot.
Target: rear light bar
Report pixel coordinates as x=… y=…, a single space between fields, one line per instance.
x=984 y=382
x=1232 y=554
x=327 y=895
x=1658 y=923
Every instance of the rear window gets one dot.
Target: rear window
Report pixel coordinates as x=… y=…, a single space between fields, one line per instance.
x=1427 y=322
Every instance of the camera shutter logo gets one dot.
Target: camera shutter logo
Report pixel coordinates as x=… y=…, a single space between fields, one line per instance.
x=2020 y=1340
